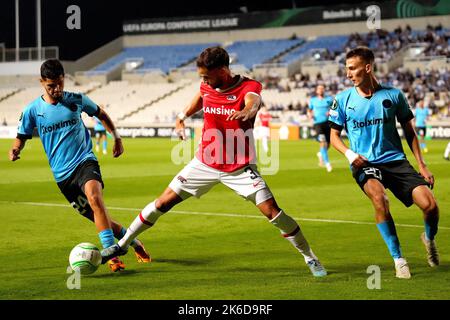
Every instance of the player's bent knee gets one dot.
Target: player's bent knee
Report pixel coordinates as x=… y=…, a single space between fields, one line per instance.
x=430 y=206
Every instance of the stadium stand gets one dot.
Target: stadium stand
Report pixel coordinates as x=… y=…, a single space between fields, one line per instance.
x=249 y=53
x=154 y=57
x=163 y=110
x=145 y=103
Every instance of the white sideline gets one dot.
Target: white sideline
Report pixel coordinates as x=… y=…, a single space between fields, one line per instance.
x=217 y=214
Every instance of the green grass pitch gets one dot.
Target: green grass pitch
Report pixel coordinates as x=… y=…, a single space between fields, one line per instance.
x=219 y=246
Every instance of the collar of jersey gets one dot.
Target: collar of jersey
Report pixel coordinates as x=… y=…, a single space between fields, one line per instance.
x=232 y=87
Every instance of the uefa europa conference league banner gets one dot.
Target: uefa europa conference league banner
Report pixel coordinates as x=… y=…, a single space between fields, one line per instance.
x=292 y=17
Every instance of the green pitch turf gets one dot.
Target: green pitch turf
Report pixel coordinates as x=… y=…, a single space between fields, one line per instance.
x=218 y=247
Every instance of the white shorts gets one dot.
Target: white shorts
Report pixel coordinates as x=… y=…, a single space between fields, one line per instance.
x=264 y=132
x=196 y=179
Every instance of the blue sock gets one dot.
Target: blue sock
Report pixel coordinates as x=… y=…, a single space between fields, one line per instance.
x=389 y=234
x=104 y=145
x=431 y=227
x=106 y=238
x=324 y=153
x=122 y=233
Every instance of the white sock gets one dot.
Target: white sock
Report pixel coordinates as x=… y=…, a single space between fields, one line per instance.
x=291 y=231
x=265 y=144
x=447 y=150
x=142 y=222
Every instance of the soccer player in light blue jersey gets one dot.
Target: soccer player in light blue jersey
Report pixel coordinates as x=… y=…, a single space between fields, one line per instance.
x=57 y=116
x=100 y=136
x=368 y=112
x=421 y=114
x=319 y=107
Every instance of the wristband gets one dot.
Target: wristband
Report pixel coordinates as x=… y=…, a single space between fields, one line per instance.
x=181 y=116
x=116 y=134
x=351 y=156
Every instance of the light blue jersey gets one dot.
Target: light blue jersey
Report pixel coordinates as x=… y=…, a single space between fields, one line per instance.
x=98 y=125
x=371 y=123
x=64 y=136
x=421 y=115
x=320 y=107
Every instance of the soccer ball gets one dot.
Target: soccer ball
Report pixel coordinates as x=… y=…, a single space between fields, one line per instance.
x=85 y=258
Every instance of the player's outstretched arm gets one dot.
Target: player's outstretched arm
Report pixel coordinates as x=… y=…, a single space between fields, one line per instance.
x=413 y=142
x=356 y=160
x=252 y=104
x=109 y=125
x=14 y=152
x=195 y=106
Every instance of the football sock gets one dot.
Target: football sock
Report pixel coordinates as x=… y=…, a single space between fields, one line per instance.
x=291 y=231
x=422 y=145
x=106 y=238
x=324 y=153
x=265 y=144
x=389 y=234
x=104 y=145
x=447 y=151
x=142 y=222
x=431 y=226
x=122 y=233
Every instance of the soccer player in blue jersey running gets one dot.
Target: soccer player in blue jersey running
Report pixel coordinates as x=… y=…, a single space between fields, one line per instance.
x=319 y=107
x=368 y=112
x=100 y=136
x=421 y=115
x=57 y=116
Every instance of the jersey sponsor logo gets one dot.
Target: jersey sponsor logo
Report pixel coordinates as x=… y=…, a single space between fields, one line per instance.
x=367 y=123
x=387 y=103
x=231 y=97
x=221 y=110
x=58 y=126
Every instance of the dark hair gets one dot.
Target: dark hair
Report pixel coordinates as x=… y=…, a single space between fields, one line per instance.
x=52 y=69
x=213 y=57
x=365 y=53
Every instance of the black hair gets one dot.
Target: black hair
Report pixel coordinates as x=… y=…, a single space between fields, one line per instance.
x=52 y=69
x=365 y=53
x=213 y=57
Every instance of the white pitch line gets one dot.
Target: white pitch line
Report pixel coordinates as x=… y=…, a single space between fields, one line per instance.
x=217 y=214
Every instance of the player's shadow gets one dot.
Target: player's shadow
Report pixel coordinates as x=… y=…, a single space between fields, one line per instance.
x=121 y=273
x=184 y=262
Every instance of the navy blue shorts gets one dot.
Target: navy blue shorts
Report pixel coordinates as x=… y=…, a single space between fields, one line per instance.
x=398 y=176
x=73 y=187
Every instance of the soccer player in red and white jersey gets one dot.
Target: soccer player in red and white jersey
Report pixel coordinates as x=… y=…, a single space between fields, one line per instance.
x=226 y=155
x=264 y=130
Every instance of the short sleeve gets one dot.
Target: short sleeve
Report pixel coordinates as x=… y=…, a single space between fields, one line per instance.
x=254 y=87
x=88 y=106
x=311 y=104
x=27 y=123
x=404 y=113
x=337 y=115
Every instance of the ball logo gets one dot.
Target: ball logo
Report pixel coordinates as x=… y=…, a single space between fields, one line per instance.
x=387 y=103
